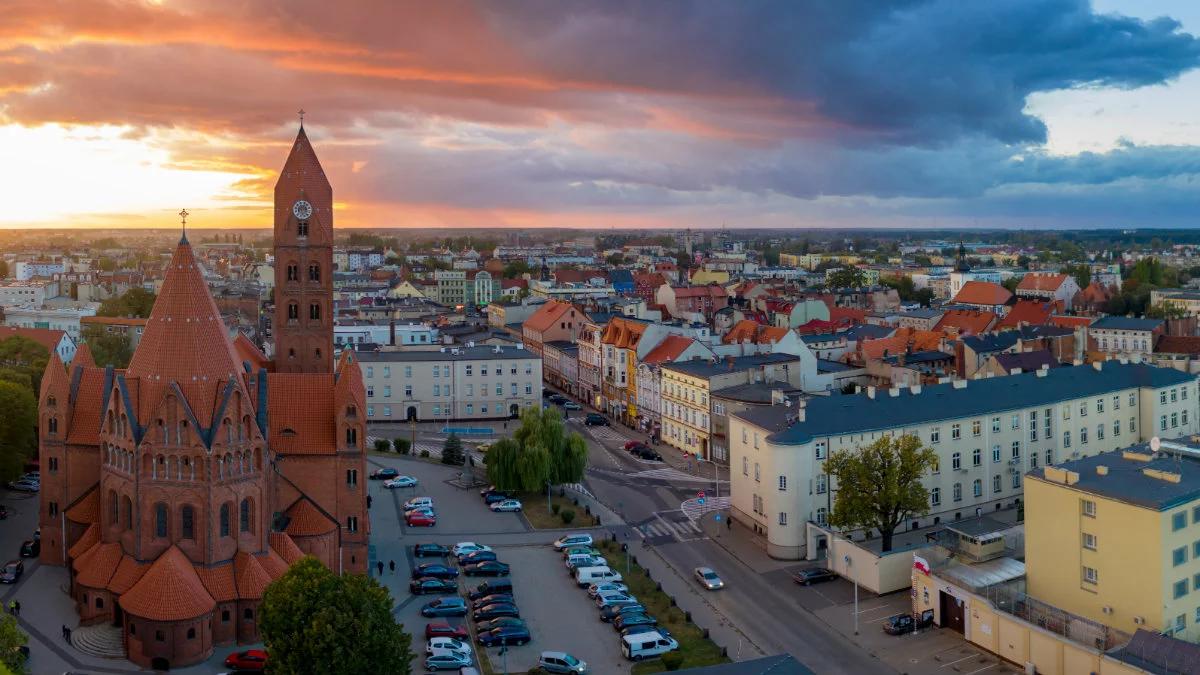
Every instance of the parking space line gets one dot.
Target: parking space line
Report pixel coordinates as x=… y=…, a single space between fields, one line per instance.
x=872 y=609
x=980 y=670
x=969 y=656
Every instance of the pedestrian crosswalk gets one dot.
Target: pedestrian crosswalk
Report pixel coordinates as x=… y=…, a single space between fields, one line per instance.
x=608 y=434
x=693 y=509
x=671 y=474
x=669 y=524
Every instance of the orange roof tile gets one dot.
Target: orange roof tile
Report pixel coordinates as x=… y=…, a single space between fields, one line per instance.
x=307 y=520
x=300 y=410
x=99 y=565
x=251 y=578
x=83 y=356
x=982 y=293
x=87 y=540
x=129 y=571
x=1040 y=281
x=1030 y=312
x=85 y=510
x=113 y=320
x=669 y=349
x=847 y=313
x=84 y=428
x=274 y=565
x=169 y=591
x=966 y=321
x=248 y=351
x=218 y=581
x=286 y=547
x=46 y=337
x=622 y=333
x=902 y=339
x=1071 y=321
x=710 y=290
x=546 y=315
x=54 y=377
x=743 y=331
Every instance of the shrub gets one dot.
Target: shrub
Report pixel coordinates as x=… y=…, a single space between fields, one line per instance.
x=382 y=445
x=672 y=660
x=555 y=508
x=403 y=445
x=567 y=516
x=424 y=453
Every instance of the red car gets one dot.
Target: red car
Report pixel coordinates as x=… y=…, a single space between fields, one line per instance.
x=443 y=629
x=629 y=445
x=251 y=659
x=419 y=520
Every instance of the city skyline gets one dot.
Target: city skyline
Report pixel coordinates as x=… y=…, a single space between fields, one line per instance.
x=929 y=114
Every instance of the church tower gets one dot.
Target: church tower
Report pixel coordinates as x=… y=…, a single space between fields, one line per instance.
x=303 y=323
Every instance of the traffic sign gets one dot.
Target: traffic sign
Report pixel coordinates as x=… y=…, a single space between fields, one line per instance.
x=700 y=501
x=717 y=517
x=700 y=494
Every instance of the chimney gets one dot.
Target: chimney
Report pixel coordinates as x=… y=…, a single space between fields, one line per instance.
x=916 y=389
x=894 y=392
x=392 y=332
x=871 y=392
x=1015 y=371
x=960 y=384
x=1041 y=372
x=1101 y=470
x=1098 y=365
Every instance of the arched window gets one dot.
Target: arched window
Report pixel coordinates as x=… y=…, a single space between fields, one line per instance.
x=228 y=431
x=160 y=521
x=181 y=432
x=127 y=508
x=293 y=311
x=52 y=425
x=187 y=523
x=245 y=515
x=314 y=312
x=225 y=519
x=293 y=273
x=314 y=272
x=302 y=228
x=258 y=459
x=162 y=432
x=351 y=437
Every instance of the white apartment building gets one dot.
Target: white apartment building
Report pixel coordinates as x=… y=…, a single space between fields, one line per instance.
x=354 y=332
x=987 y=433
x=26 y=270
x=451 y=384
x=1124 y=336
x=65 y=319
x=16 y=293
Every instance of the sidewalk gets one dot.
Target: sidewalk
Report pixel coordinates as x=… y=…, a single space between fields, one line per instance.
x=741 y=543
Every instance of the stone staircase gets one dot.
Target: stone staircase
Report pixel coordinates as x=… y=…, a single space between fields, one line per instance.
x=101 y=640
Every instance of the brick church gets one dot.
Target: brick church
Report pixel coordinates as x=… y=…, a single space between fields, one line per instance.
x=177 y=489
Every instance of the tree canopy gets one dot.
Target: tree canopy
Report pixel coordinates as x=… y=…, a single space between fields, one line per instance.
x=879 y=486
x=23 y=361
x=452 y=451
x=516 y=268
x=847 y=277
x=108 y=349
x=18 y=428
x=315 y=621
x=12 y=638
x=540 y=451
x=135 y=302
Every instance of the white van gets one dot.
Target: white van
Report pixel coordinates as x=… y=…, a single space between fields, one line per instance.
x=586 y=576
x=646 y=645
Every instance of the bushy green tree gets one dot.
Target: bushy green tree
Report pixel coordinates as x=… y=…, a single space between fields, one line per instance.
x=18 y=428
x=452 y=451
x=540 y=451
x=879 y=486
x=108 y=349
x=314 y=621
x=135 y=302
x=23 y=360
x=11 y=640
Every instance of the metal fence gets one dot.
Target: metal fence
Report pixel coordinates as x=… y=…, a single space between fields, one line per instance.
x=1012 y=600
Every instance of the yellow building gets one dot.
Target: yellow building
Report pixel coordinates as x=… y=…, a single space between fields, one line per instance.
x=703 y=277
x=1115 y=537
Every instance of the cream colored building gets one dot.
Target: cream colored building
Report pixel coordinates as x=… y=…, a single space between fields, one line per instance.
x=1116 y=537
x=987 y=433
x=451 y=384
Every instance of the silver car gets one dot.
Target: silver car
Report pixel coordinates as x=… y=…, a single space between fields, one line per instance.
x=561 y=662
x=708 y=578
x=607 y=587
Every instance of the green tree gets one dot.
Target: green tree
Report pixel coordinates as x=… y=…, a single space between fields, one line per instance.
x=1011 y=284
x=25 y=360
x=12 y=638
x=615 y=259
x=452 y=451
x=135 y=302
x=1082 y=273
x=879 y=486
x=108 y=349
x=18 y=428
x=516 y=268
x=540 y=451
x=847 y=277
x=315 y=621
x=1166 y=310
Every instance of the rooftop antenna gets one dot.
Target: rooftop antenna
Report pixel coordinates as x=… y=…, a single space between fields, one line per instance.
x=183 y=214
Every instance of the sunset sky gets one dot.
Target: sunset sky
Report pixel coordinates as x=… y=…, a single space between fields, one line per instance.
x=661 y=113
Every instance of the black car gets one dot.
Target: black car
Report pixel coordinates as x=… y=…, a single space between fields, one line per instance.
x=493 y=599
x=645 y=452
x=558 y=398
x=430 y=551
x=505 y=635
x=612 y=611
x=495 y=610
x=627 y=621
x=493 y=497
x=491 y=586
x=384 y=474
x=595 y=420
x=487 y=568
x=476 y=557
x=436 y=570
x=486 y=490
x=31 y=548
x=11 y=572
x=492 y=624
x=813 y=575
x=431 y=585
x=905 y=623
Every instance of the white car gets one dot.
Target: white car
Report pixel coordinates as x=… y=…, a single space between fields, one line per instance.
x=418 y=503
x=443 y=644
x=400 y=482
x=607 y=587
x=612 y=597
x=506 y=505
x=569 y=540
x=465 y=547
x=708 y=578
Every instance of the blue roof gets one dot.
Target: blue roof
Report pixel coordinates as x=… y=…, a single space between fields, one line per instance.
x=822 y=337
x=857 y=413
x=996 y=342
x=866 y=331
x=1126 y=323
x=1125 y=481
x=705 y=368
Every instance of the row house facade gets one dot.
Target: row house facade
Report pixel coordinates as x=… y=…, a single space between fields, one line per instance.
x=589 y=360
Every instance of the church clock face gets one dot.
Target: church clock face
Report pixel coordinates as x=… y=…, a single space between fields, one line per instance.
x=302 y=210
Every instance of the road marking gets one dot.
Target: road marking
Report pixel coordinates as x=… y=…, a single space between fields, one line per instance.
x=873 y=609
x=694 y=510
x=969 y=656
x=980 y=670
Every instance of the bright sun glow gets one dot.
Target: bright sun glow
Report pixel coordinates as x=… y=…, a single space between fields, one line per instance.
x=61 y=174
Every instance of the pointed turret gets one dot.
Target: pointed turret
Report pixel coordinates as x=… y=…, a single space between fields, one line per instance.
x=83 y=357
x=54 y=379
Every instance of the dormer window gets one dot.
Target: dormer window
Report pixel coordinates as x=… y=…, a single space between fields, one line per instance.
x=302 y=228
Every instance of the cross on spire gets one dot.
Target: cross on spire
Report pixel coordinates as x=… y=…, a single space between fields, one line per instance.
x=300 y=112
x=183 y=216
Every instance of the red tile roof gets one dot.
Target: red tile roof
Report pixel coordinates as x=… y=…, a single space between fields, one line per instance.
x=84 y=428
x=128 y=573
x=710 y=290
x=286 y=547
x=1071 y=321
x=300 y=408
x=98 y=565
x=1030 y=312
x=669 y=349
x=89 y=539
x=547 y=315
x=169 y=591
x=1177 y=344
x=622 y=333
x=218 y=581
x=307 y=520
x=250 y=577
x=844 y=314
x=1040 y=281
x=248 y=351
x=651 y=279
x=86 y=510
x=751 y=331
x=982 y=293
x=45 y=337
x=274 y=565
x=83 y=356
x=901 y=340
x=966 y=322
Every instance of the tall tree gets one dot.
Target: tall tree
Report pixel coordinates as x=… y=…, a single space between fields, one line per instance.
x=315 y=621
x=108 y=349
x=18 y=428
x=12 y=638
x=25 y=359
x=540 y=451
x=847 y=277
x=452 y=451
x=879 y=486
x=135 y=302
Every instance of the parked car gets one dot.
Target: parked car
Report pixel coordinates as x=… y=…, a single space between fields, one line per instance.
x=11 y=572
x=464 y=547
x=448 y=661
x=491 y=624
x=561 y=662
x=629 y=445
x=384 y=474
x=491 y=586
x=580 y=550
x=586 y=576
x=495 y=610
x=35 y=476
x=447 y=644
x=569 y=540
x=571 y=405
x=643 y=452
x=558 y=398
x=434 y=570
x=400 y=482
x=708 y=578
x=24 y=485
x=508 y=505
x=576 y=561
x=493 y=599
x=445 y=629
x=483 y=448
x=250 y=659
x=445 y=607
x=490 y=488
x=487 y=568
x=418 y=503
x=505 y=635
x=430 y=551
x=595 y=420
x=476 y=557
x=426 y=511
x=424 y=585
x=813 y=575
x=607 y=598
x=419 y=520
x=646 y=645
x=618 y=608
x=630 y=620
x=901 y=624
x=495 y=498
x=608 y=586
x=31 y=548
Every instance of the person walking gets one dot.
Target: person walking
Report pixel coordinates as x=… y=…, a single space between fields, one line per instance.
x=17 y=604
x=392 y=566
x=379 y=566
x=64 y=631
